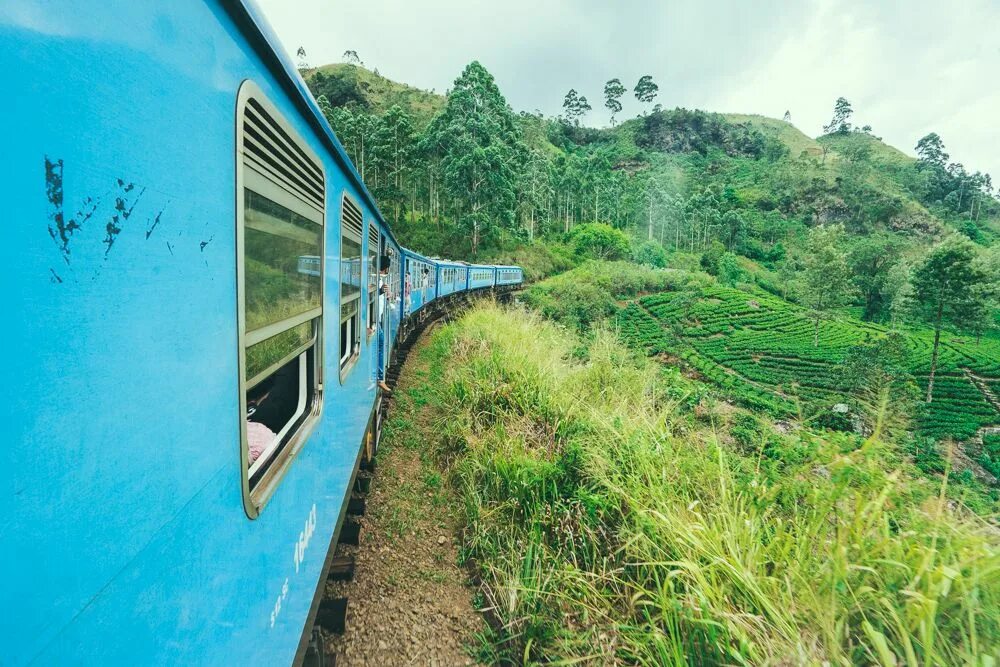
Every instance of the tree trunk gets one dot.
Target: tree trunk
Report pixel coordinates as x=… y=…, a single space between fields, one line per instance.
x=650 y=230
x=934 y=355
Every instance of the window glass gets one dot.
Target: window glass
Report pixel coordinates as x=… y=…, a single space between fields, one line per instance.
x=281 y=250
x=350 y=285
x=350 y=269
x=266 y=353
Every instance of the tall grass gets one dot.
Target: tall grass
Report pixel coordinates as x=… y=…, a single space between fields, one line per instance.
x=610 y=525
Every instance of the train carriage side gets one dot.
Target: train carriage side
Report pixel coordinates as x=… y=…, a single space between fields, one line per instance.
x=192 y=383
x=451 y=277
x=420 y=281
x=509 y=276
x=480 y=276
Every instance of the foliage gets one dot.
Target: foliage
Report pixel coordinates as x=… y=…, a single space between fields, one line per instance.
x=989 y=457
x=597 y=240
x=877 y=372
x=755 y=346
x=613 y=91
x=575 y=106
x=871 y=259
x=645 y=89
x=589 y=293
x=539 y=259
x=730 y=271
x=478 y=144
x=683 y=131
x=650 y=253
x=606 y=525
x=842 y=113
x=825 y=276
x=947 y=287
x=682 y=177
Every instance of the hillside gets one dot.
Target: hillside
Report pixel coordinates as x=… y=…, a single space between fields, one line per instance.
x=780 y=130
x=345 y=84
x=748 y=341
x=683 y=177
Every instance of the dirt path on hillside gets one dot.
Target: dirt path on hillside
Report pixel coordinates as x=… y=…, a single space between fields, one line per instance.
x=409 y=602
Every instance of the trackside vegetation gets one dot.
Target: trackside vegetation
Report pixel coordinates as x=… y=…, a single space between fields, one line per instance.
x=617 y=514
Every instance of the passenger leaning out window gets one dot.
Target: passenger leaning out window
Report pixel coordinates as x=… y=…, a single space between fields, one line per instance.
x=383 y=299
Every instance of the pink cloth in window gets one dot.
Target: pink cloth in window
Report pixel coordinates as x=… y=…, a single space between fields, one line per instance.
x=259 y=438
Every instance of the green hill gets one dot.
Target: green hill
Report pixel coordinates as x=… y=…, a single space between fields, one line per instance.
x=783 y=131
x=345 y=84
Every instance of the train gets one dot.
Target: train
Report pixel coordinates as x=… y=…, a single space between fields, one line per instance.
x=205 y=296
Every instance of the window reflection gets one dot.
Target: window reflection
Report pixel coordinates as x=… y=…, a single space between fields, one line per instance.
x=282 y=250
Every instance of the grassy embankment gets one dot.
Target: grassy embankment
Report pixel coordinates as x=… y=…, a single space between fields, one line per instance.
x=611 y=517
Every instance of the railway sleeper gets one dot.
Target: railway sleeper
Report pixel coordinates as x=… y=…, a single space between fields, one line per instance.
x=350 y=532
x=341 y=568
x=362 y=483
x=332 y=615
x=356 y=506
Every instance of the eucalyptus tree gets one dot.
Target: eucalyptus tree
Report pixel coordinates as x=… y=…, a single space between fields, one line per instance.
x=575 y=106
x=841 y=121
x=478 y=141
x=395 y=143
x=645 y=90
x=613 y=91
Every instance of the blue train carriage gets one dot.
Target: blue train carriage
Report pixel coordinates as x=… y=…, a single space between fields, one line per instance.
x=509 y=276
x=452 y=277
x=194 y=379
x=420 y=281
x=481 y=276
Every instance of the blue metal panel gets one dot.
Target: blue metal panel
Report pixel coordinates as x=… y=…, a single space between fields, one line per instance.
x=486 y=273
x=123 y=535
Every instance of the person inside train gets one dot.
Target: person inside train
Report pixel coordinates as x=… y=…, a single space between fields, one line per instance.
x=269 y=407
x=407 y=288
x=383 y=301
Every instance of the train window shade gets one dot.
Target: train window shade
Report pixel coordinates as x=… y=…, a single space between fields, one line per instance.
x=280 y=241
x=351 y=227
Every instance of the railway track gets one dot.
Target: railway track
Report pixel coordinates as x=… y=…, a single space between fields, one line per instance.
x=333 y=613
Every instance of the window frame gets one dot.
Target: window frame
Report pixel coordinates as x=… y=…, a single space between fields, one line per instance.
x=255 y=498
x=347 y=364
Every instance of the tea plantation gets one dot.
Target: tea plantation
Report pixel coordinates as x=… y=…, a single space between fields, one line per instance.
x=760 y=348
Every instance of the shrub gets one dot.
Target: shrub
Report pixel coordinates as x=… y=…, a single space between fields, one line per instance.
x=596 y=240
x=650 y=253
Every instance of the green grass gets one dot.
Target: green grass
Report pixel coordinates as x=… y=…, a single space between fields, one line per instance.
x=609 y=523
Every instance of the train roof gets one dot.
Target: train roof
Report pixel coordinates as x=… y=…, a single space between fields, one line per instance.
x=417 y=255
x=252 y=22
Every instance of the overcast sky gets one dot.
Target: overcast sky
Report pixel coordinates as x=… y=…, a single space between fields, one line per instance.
x=907 y=67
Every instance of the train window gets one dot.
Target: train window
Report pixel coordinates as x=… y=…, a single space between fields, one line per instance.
x=372 y=275
x=281 y=195
x=350 y=285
